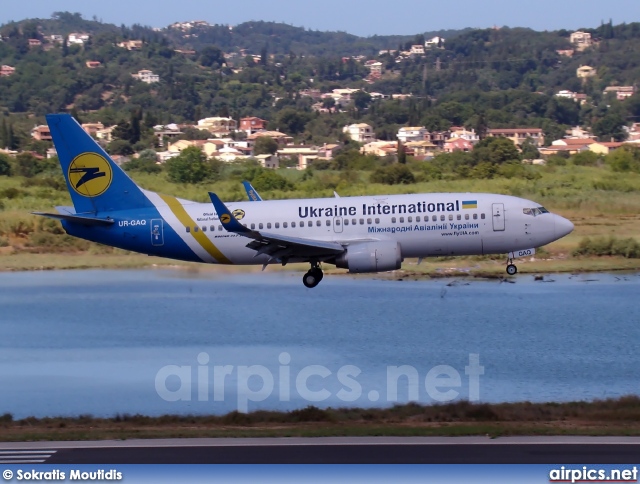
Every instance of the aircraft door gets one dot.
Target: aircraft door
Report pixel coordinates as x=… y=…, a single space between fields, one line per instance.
x=157 y=232
x=337 y=225
x=498 y=217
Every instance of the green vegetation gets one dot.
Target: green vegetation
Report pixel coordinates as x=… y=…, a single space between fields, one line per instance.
x=611 y=246
x=603 y=203
x=485 y=78
x=479 y=79
x=600 y=417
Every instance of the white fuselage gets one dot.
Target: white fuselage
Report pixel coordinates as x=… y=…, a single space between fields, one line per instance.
x=425 y=225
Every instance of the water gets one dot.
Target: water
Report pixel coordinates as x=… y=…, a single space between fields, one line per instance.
x=107 y=342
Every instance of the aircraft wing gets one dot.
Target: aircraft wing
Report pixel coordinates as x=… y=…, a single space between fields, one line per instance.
x=277 y=246
x=251 y=192
x=67 y=213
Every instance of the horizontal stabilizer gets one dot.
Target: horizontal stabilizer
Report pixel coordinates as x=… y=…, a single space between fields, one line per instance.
x=79 y=219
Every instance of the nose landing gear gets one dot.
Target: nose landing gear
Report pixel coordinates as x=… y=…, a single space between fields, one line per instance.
x=313 y=277
x=512 y=270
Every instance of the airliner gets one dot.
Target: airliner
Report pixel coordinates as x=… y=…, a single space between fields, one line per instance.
x=361 y=234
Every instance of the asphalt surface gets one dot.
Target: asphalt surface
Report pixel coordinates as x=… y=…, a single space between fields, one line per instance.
x=335 y=450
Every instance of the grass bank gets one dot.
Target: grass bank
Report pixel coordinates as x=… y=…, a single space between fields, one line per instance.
x=601 y=203
x=600 y=417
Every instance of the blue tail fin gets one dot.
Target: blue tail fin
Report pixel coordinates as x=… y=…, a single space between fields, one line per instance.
x=95 y=182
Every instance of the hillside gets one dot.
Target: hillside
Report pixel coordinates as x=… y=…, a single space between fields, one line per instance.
x=479 y=78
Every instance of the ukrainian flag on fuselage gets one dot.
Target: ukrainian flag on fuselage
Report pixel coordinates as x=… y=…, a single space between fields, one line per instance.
x=469 y=204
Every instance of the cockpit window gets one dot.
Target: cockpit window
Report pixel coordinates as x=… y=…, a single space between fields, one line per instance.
x=534 y=211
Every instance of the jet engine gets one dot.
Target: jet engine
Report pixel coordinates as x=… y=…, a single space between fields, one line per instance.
x=378 y=256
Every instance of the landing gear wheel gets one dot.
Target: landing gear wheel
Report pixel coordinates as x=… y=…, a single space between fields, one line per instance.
x=512 y=270
x=312 y=278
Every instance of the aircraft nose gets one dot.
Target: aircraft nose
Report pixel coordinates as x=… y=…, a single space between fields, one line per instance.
x=562 y=226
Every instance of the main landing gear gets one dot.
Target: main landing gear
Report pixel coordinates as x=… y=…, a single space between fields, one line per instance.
x=512 y=270
x=312 y=278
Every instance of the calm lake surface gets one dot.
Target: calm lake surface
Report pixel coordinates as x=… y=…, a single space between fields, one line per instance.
x=153 y=342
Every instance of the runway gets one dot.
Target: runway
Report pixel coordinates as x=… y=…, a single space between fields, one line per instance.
x=333 y=450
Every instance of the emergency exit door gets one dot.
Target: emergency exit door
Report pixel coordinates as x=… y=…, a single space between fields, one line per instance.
x=157 y=232
x=498 y=217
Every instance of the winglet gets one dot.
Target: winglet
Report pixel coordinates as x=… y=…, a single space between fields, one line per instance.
x=228 y=221
x=251 y=192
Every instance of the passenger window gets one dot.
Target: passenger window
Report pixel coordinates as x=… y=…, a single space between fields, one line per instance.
x=450 y=217
x=285 y=225
x=277 y=225
x=466 y=216
x=212 y=228
x=195 y=229
x=253 y=226
x=188 y=229
x=260 y=226
x=219 y=228
x=354 y=221
x=346 y=221
x=377 y=220
x=459 y=217
x=361 y=221
x=482 y=216
x=441 y=218
x=417 y=218
x=318 y=223
x=268 y=225
x=409 y=219
x=401 y=220
x=309 y=223
x=434 y=218
x=393 y=220
x=204 y=228
x=369 y=221
x=293 y=225
x=337 y=221
x=475 y=216
x=328 y=223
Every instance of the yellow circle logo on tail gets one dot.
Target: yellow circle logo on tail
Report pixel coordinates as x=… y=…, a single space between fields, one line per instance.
x=238 y=213
x=225 y=218
x=90 y=174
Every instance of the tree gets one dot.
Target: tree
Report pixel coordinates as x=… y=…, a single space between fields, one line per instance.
x=120 y=147
x=190 y=166
x=481 y=126
x=5 y=165
x=361 y=100
x=146 y=162
x=329 y=103
x=135 y=128
x=292 y=121
x=402 y=153
x=393 y=175
x=264 y=55
x=74 y=113
x=529 y=150
x=26 y=165
x=495 y=150
x=626 y=158
x=211 y=56
x=265 y=145
x=610 y=126
x=270 y=180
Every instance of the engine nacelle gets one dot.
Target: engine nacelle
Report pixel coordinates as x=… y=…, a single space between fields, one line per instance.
x=378 y=256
